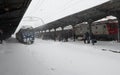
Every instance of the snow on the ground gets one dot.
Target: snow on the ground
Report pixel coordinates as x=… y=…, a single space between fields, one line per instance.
x=59 y=58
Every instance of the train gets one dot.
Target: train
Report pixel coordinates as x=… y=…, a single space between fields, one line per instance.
x=26 y=35
x=103 y=30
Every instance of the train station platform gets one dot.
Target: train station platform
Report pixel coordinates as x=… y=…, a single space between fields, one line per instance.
x=59 y=58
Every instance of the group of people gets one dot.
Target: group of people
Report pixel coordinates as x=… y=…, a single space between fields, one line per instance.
x=87 y=37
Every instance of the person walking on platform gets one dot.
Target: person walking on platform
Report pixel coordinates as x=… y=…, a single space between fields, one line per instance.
x=93 y=39
x=86 y=37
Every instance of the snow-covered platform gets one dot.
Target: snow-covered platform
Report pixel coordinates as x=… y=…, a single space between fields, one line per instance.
x=59 y=58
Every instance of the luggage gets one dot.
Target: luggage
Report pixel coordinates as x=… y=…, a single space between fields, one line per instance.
x=95 y=41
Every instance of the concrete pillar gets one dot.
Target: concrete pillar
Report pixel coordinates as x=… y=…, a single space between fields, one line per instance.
x=118 y=29
x=62 y=34
x=39 y=34
x=49 y=34
x=44 y=31
x=39 y=31
x=49 y=30
x=90 y=26
x=55 y=34
x=42 y=34
x=62 y=28
x=74 y=36
x=118 y=18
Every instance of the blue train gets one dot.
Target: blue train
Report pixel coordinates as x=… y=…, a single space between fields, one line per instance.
x=26 y=35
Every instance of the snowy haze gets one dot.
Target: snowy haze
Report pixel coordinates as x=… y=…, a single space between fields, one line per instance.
x=50 y=10
x=59 y=58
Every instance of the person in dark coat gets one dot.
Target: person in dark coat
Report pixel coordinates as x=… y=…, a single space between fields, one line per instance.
x=93 y=39
x=86 y=37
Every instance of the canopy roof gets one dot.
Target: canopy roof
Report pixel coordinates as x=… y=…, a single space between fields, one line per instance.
x=11 y=12
x=111 y=7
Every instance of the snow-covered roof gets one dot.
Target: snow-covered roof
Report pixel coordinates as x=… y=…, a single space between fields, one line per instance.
x=26 y=26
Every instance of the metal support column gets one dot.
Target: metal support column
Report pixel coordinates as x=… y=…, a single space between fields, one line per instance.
x=90 y=26
x=118 y=29
x=74 y=36
x=49 y=30
x=118 y=18
x=39 y=34
x=62 y=36
x=55 y=34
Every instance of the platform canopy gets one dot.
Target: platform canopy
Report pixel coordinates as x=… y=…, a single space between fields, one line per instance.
x=111 y=7
x=11 y=13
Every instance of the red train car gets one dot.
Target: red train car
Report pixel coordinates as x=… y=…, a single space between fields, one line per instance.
x=103 y=30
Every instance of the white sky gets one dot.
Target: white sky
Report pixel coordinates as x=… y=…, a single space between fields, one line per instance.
x=50 y=10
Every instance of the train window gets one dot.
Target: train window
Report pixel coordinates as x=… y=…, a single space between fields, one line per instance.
x=113 y=25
